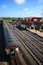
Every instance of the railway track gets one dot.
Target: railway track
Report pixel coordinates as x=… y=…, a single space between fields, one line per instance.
x=35 y=36
x=28 y=49
x=28 y=37
x=16 y=60
x=37 y=53
x=35 y=43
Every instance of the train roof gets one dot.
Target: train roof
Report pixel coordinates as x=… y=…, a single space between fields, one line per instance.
x=10 y=39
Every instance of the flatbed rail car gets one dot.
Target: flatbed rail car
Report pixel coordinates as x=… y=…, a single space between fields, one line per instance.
x=11 y=44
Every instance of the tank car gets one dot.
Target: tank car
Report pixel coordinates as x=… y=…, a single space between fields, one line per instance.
x=11 y=44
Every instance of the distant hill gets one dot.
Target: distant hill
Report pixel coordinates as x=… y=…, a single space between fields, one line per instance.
x=12 y=18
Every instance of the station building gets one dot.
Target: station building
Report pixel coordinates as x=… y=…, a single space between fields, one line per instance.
x=33 y=22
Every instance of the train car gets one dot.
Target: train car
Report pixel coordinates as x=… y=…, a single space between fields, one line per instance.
x=11 y=44
x=19 y=23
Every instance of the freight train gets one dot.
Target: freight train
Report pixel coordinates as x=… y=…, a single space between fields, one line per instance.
x=11 y=44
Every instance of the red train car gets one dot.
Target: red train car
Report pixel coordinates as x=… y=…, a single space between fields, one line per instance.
x=26 y=23
x=38 y=23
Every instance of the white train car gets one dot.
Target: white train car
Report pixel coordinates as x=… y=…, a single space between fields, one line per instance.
x=19 y=24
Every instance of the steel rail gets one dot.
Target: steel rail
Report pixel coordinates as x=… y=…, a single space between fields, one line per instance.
x=31 y=52
x=33 y=42
x=16 y=62
x=36 y=44
x=31 y=46
x=38 y=61
x=35 y=35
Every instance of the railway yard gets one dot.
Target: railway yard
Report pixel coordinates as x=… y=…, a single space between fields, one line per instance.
x=19 y=46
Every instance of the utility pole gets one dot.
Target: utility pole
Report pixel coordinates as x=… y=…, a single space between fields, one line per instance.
x=41 y=19
x=20 y=12
x=42 y=13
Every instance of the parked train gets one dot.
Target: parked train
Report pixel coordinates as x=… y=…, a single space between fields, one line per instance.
x=11 y=44
x=18 y=23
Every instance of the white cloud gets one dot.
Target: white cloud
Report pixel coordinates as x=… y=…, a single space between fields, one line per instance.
x=40 y=1
x=1 y=15
x=26 y=9
x=19 y=1
x=4 y=6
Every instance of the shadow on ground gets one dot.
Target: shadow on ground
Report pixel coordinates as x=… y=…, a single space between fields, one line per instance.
x=20 y=28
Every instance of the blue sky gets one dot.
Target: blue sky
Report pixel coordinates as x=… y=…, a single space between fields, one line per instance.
x=21 y=8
